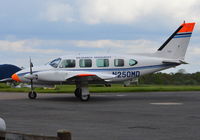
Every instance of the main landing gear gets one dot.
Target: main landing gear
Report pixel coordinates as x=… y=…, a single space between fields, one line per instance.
x=82 y=92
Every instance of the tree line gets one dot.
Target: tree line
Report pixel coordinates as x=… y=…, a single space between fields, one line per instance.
x=179 y=78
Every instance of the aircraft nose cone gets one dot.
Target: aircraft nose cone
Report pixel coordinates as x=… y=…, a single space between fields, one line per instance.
x=15 y=77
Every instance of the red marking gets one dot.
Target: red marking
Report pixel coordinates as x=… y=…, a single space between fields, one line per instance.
x=16 y=77
x=83 y=75
x=187 y=27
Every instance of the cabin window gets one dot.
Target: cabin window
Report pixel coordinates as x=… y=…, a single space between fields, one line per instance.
x=55 y=62
x=119 y=62
x=132 y=62
x=85 y=63
x=67 y=63
x=102 y=62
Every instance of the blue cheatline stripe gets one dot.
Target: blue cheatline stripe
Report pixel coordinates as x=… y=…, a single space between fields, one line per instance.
x=183 y=36
x=111 y=69
x=189 y=33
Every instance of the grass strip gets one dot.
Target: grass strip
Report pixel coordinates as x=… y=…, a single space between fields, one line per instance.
x=102 y=89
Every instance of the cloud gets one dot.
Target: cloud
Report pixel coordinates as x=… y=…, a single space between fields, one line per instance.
x=123 y=46
x=109 y=11
x=45 y=46
x=42 y=50
x=121 y=11
x=195 y=51
x=97 y=43
x=73 y=46
x=129 y=11
x=26 y=46
x=58 y=11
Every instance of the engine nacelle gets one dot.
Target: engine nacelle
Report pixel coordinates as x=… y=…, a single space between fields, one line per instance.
x=54 y=76
x=31 y=76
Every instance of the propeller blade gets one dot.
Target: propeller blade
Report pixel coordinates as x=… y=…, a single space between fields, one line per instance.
x=31 y=65
x=31 y=72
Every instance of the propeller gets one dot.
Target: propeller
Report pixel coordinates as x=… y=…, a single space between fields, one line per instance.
x=31 y=72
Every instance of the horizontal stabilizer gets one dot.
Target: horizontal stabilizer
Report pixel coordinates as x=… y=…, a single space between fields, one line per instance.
x=174 y=62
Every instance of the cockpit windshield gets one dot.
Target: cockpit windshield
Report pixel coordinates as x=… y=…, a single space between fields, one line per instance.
x=55 y=62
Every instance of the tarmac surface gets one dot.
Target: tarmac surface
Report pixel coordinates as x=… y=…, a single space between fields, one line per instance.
x=107 y=116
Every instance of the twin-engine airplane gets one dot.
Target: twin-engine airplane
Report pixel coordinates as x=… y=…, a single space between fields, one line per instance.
x=83 y=70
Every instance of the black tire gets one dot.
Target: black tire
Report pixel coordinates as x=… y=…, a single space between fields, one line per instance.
x=32 y=95
x=78 y=92
x=85 y=97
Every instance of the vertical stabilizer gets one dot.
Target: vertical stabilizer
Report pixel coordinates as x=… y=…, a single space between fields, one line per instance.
x=176 y=45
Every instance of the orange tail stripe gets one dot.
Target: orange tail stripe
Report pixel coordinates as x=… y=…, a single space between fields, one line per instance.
x=187 y=27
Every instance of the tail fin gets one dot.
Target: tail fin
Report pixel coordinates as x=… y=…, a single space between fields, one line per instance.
x=176 y=45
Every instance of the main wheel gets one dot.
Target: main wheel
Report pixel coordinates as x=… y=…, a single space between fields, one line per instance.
x=78 y=92
x=32 y=95
x=85 y=97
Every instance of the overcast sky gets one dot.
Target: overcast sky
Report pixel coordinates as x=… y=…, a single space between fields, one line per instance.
x=44 y=29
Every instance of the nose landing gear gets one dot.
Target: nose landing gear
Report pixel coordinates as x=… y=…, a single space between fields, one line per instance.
x=32 y=95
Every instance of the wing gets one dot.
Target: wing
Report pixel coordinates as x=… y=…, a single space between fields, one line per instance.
x=63 y=76
x=7 y=80
x=90 y=76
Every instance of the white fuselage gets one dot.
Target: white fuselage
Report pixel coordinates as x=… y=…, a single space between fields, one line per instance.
x=121 y=67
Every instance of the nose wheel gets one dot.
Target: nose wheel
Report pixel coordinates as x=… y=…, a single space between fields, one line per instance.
x=32 y=95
